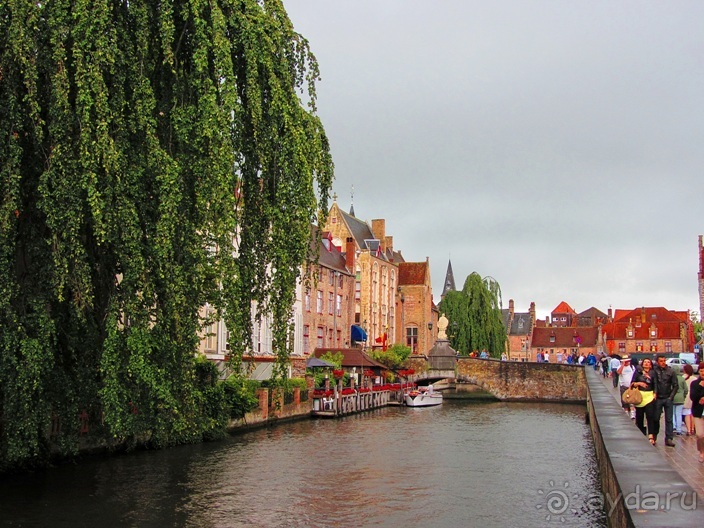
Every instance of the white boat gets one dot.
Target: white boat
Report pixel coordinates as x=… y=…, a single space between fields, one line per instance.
x=423 y=397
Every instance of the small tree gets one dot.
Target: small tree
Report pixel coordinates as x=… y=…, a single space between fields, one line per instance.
x=394 y=357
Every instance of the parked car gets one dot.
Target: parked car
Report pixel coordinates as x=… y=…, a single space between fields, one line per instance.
x=678 y=363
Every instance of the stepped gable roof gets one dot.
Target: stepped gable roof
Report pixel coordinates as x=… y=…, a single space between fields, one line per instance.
x=563 y=307
x=564 y=337
x=412 y=273
x=520 y=324
x=351 y=357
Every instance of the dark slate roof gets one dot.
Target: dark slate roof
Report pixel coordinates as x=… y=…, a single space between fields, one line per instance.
x=328 y=255
x=505 y=314
x=520 y=324
x=450 y=281
x=564 y=337
x=360 y=230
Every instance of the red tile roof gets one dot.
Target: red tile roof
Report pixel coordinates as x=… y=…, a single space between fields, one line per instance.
x=563 y=307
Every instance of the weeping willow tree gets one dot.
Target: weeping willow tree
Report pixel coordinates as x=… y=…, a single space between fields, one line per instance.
x=474 y=316
x=155 y=158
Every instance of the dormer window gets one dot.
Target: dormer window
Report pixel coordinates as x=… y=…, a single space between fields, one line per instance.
x=629 y=332
x=653 y=332
x=552 y=337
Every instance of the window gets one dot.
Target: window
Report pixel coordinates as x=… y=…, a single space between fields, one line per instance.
x=339 y=338
x=653 y=346
x=653 y=332
x=357 y=291
x=629 y=332
x=319 y=302
x=331 y=302
x=552 y=338
x=341 y=281
x=338 y=305
x=412 y=337
x=306 y=339
x=668 y=346
x=639 y=347
x=321 y=337
x=622 y=347
x=307 y=300
x=331 y=276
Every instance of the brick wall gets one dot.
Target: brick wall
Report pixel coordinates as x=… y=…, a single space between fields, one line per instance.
x=511 y=380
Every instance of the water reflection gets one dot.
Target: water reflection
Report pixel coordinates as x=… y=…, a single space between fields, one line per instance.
x=489 y=464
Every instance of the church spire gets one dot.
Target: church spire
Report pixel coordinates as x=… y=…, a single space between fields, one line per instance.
x=352 y=202
x=449 y=280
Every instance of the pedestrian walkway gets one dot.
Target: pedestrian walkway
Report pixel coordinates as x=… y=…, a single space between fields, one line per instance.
x=684 y=457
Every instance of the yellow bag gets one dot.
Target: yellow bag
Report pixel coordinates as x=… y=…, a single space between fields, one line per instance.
x=648 y=396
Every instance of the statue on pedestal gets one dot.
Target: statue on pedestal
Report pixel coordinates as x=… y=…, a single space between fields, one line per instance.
x=442 y=326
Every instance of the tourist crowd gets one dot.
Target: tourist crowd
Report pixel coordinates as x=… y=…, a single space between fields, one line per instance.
x=661 y=389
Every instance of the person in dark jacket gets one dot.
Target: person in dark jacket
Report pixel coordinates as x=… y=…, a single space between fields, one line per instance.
x=666 y=387
x=696 y=394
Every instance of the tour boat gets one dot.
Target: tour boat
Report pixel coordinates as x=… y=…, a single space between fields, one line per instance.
x=423 y=397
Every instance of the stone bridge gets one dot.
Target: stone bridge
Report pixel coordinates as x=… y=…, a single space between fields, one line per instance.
x=511 y=380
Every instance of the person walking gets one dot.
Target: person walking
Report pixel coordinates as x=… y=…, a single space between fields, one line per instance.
x=614 y=364
x=697 y=397
x=625 y=376
x=665 y=390
x=689 y=378
x=644 y=380
x=678 y=404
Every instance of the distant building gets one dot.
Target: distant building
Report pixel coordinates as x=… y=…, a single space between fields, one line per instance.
x=376 y=272
x=418 y=315
x=562 y=315
x=648 y=329
x=519 y=329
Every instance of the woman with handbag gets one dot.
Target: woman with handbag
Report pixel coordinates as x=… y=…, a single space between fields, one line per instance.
x=643 y=380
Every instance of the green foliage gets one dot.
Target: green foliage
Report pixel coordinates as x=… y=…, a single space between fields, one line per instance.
x=333 y=357
x=393 y=357
x=474 y=316
x=154 y=157
x=240 y=395
x=697 y=326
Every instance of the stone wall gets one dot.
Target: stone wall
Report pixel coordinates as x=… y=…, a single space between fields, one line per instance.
x=519 y=381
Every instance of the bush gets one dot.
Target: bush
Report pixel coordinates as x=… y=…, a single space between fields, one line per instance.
x=240 y=395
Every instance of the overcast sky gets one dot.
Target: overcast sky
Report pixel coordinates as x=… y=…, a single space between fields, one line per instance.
x=557 y=146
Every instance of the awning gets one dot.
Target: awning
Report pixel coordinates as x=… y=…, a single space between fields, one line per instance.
x=358 y=334
x=317 y=362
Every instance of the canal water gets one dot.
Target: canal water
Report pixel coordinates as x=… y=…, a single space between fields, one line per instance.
x=459 y=464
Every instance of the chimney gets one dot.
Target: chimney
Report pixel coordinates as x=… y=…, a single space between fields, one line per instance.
x=389 y=243
x=350 y=248
x=379 y=231
x=610 y=314
x=510 y=307
x=642 y=314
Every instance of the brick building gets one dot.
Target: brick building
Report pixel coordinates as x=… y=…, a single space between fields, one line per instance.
x=418 y=315
x=519 y=329
x=328 y=294
x=648 y=329
x=376 y=272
